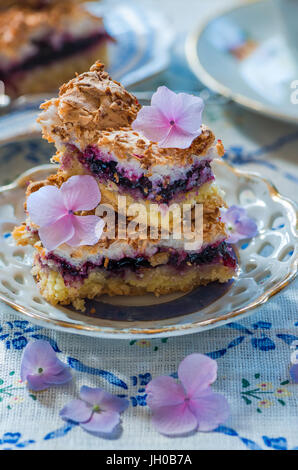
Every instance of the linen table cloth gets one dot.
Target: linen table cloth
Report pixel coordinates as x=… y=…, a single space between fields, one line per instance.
x=253 y=354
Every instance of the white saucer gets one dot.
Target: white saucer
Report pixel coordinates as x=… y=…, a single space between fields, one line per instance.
x=263 y=79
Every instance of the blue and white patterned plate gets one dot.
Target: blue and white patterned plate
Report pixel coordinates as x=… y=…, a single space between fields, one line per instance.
x=243 y=54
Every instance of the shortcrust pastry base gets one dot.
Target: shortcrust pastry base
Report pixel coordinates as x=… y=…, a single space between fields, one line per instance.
x=159 y=280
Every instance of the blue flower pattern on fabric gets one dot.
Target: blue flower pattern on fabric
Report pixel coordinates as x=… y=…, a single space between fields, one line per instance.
x=60 y=432
x=138 y=382
x=11 y=441
x=279 y=443
x=17 y=333
x=259 y=338
x=108 y=376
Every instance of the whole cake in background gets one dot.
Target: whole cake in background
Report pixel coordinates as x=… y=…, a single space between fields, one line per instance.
x=44 y=43
x=100 y=156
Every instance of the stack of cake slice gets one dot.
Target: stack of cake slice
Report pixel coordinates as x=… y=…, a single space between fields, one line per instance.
x=90 y=124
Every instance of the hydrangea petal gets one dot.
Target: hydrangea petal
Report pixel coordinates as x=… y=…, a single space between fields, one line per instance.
x=36 y=382
x=210 y=409
x=173 y=120
x=102 y=422
x=110 y=402
x=41 y=367
x=238 y=224
x=41 y=381
x=174 y=420
x=196 y=373
x=152 y=123
x=233 y=238
x=167 y=102
x=80 y=192
x=177 y=138
x=58 y=233
x=85 y=230
x=233 y=214
x=57 y=367
x=58 y=379
x=164 y=391
x=294 y=373
x=190 y=119
x=76 y=410
x=37 y=354
x=106 y=401
x=91 y=395
x=247 y=227
x=45 y=206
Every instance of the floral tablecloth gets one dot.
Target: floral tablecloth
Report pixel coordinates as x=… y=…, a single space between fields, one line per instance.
x=253 y=354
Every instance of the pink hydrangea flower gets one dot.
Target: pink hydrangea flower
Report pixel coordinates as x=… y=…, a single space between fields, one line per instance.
x=179 y=408
x=41 y=368
x=52 y=209
x=96 y=411
x=173 y=119
x=238 y=224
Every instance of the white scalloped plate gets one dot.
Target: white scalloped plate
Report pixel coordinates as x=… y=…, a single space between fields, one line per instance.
x=267 y=264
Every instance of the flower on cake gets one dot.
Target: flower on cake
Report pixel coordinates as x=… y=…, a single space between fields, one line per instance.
x=173 y=120
x=53 y=210
x=238 y=224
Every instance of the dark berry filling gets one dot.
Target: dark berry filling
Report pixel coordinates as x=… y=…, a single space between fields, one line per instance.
x=95 y=163
x=220 y=253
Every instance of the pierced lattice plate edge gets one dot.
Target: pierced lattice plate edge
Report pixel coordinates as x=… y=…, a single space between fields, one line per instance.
x=58 y=317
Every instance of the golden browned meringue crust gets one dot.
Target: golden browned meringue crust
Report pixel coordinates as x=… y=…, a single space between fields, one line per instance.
x=88 y=104
x=92 y=109
x=19 y=24
x=128 y=144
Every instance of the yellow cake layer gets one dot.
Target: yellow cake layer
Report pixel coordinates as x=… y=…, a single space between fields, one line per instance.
x=160 y=280
x=207 y=194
